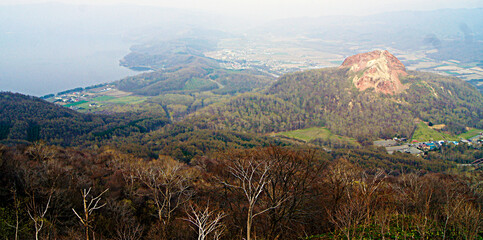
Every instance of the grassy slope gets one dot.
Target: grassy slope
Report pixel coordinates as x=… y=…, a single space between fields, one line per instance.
x=128 y=100
x=75 y=104
x=471 y=133
x=309 y=134
x=424 y=133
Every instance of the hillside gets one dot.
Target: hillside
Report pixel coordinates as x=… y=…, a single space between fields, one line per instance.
x=30 y=118
x=180 y=66
x=330 y=98
x=142 y=132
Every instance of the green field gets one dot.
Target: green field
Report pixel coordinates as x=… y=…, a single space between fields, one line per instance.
x=168 y=99
x=423 y=133
x=199 y=83
x=103 y=98
x=75 y=104
x=471 y=133
x=128 y=100
x=309 y=134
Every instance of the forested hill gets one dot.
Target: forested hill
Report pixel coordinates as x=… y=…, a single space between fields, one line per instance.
x=29 y=118
x=197 y=74
x=145 y=133
x=180 y=66
x=328 y=97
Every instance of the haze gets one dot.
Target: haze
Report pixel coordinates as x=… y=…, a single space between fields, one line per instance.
x=270 y=9
x=46 y=47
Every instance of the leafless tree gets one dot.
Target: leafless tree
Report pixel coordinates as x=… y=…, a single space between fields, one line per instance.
x=39 y=151
x=16 y=203
x=354 y=196
x=169 y=186
x=37 y=213
x=127 y=231
x=416 y=194
x=468 y=219
x=293 y=177
x=127 y=228
x=206 y=221
x=251 y=177
x=89 y=207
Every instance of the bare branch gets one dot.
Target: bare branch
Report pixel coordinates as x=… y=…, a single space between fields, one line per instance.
x=89 y=208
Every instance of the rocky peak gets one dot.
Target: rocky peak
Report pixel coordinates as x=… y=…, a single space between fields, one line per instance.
x=377 y=69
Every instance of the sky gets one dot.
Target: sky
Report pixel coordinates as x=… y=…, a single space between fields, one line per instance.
x=273 y=9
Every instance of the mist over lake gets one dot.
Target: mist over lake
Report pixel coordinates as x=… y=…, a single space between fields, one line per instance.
x=43 y=64
x=50 y=47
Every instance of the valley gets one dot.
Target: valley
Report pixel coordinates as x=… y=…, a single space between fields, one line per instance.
x=316 y=106
x=280 y=55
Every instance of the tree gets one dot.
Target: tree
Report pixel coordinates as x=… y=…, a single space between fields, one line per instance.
x=354 y=196
x=248 y=172
x=37 y=214
x=206 y=221
x=89 y=207
x=251 y=178
x=169 y=186
x=293 y=177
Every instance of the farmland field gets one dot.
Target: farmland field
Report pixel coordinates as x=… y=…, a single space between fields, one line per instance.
x=128 y=100
x=75 y=104
x=314 y=133
x=103 y=98
x=424 y=133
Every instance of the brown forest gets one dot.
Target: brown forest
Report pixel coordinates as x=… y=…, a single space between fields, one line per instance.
x=50 y=192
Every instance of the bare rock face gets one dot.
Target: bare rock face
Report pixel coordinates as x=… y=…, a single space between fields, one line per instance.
x=377 y=69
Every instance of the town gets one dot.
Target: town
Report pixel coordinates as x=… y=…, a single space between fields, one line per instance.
x=420 y=148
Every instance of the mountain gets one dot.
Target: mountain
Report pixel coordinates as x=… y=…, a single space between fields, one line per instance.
x=378 y=69
x=369 y=96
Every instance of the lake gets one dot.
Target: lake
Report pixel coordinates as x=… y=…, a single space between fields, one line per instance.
x=43 y=64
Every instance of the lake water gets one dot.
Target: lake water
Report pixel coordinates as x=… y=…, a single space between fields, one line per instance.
x=44 y=64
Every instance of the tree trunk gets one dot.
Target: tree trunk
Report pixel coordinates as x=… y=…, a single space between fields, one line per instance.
x=87 y=233
x=249 y=222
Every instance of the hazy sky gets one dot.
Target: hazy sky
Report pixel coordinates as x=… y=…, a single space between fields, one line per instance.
x=285 y=8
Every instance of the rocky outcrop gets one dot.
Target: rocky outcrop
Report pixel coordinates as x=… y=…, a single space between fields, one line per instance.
x=377 y=69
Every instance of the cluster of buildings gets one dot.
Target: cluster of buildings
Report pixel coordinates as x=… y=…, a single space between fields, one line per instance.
x=418 y=148
x=266 y=59
x=69 y=98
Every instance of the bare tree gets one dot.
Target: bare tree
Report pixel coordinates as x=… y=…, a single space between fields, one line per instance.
x=293 y=175
x=39 y=151
x=89 y=207
x=37 y=213
x=470 y=219
x=206 y=222
x=127 y=231
x=126 y=225
x=16 y=203
x=354 y=195
x=169 y=186
x=417 y=196
x=251 y=177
